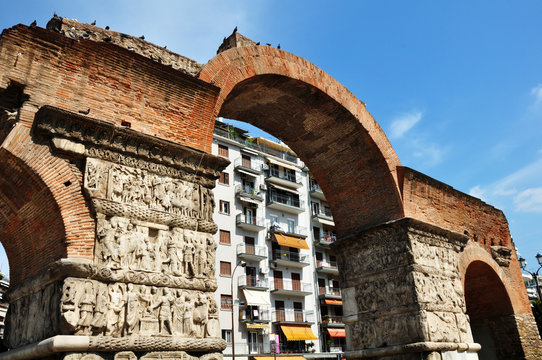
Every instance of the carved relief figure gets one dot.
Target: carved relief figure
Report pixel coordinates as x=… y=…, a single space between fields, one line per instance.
x=164 y=313
x=86 y=309
x=115 y=317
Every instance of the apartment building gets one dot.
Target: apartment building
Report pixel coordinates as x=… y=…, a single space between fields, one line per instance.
x=277 y=278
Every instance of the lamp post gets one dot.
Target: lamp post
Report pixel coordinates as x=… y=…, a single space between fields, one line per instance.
x=243 y=264
x=523 y=265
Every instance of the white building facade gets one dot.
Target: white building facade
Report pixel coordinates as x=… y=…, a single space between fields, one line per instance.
x=277 y=278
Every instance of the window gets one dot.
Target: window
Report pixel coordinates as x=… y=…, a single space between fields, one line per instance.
x=222 y=150
x=226 y=303
x=225 y=268
x=226 y=336
x=225 y=237
x=224 y=178
x=225 y=207
x=291 y=226
x=246 y=161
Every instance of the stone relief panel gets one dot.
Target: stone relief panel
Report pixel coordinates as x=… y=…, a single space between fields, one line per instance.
x=376 y=253
x=155 y=355
x=438 y=292
x=386 y=331
x=386 y=293
x=437 y=257
x=33 y=317
x=119 y=190
x=89 y=307
x=130 y=245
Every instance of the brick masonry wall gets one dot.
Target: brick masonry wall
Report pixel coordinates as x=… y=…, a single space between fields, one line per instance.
x=115 y=83
x=53 y=220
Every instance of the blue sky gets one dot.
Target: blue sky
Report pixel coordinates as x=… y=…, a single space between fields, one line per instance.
x=456 y=85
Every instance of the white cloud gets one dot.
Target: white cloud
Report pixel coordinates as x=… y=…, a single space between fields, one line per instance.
x=429 y=152
x=477 y=191
x=402 y=124
x=537 y=93
x=519 y=190
x=529 y=200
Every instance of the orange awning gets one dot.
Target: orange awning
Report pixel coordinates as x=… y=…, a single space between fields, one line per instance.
x=337 y=332
x=291 y=241
x=333 y=302
x=298 y=332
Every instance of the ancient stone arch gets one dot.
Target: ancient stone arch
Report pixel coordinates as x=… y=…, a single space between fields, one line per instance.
x=113 y=134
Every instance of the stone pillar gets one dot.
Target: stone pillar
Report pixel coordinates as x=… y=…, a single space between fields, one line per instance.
x=402 y=293
x=149 y=291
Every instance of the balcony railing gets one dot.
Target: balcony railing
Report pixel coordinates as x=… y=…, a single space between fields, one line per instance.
x=252 y=281
x=323 y=263
x=291 y=285
x=242 y=219
x=326 y=239
x=291 y=315
x=254 y=314
x=332 y=319
x=286 y=255
x=285 y=200
x=251 y=166
x=273 y=172
x=252 y=250
x=329 y=291
x=321 y=212
x=295 y=230
x=249 y=192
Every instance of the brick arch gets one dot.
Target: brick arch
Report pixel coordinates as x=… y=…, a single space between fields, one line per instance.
x=323 y=122
x=512 y=281
x=44 y=215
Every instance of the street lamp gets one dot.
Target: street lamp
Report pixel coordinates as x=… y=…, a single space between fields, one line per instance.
x=243 y=264
x=523 y=265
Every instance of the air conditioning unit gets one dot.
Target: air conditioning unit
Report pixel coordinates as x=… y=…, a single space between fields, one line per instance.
x=263 y=187
x=264 y=270
x=265 y=167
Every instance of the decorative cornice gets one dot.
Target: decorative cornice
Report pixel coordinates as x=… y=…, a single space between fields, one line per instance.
x=79 y=268
x=54 y=122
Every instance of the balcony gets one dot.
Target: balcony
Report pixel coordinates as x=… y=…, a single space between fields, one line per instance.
x=289 y=204
x=297 y=231
x=325 y=240
x=282 y=178
x=250 y=223
x=323 y=216
x=329 y=293
x=247 y=166
x=248 y=194
x=254 y=314
x=289 y=258
x=251 y=282
x=332 y=321
x=327 y=267
x=251 y=252
x=291 y=287
x=293 y=316
x=316 y=192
